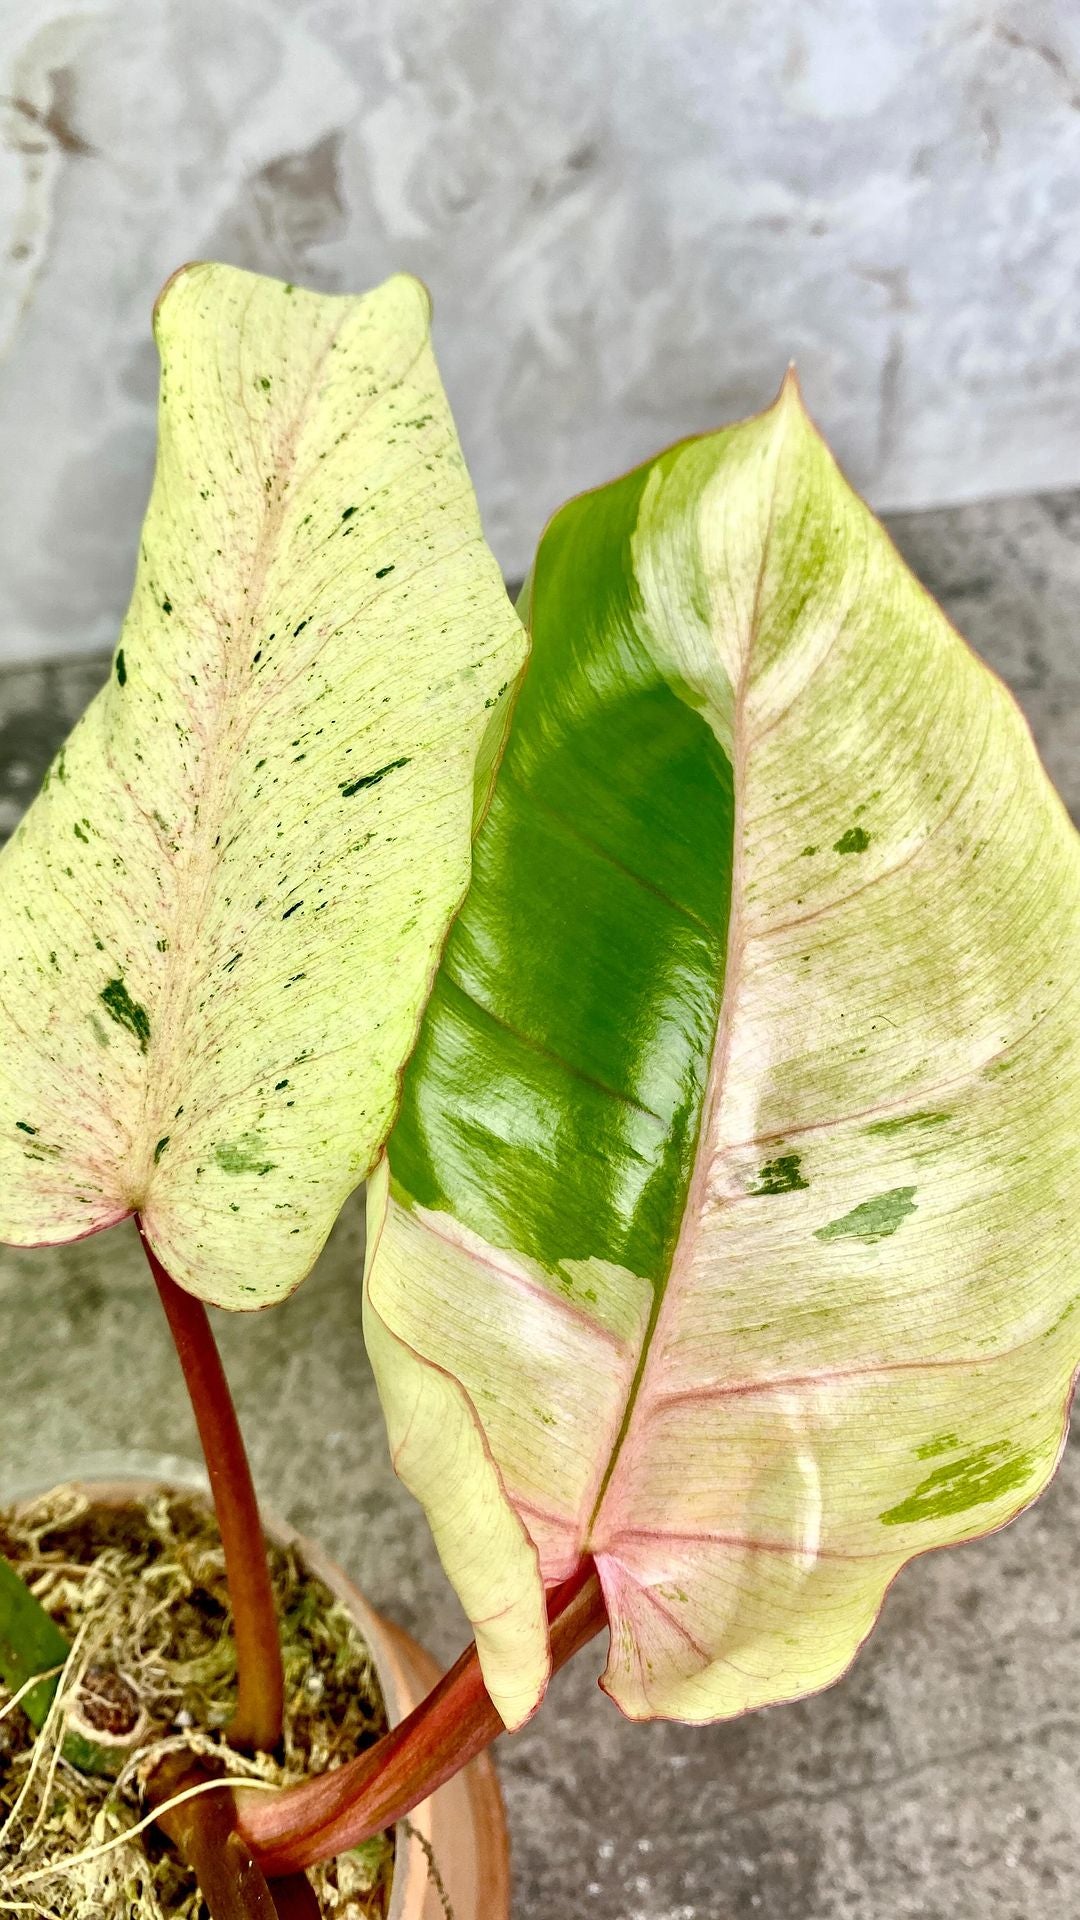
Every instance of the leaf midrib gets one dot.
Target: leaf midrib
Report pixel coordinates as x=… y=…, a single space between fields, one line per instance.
x=209 y=802
x=721 y=1047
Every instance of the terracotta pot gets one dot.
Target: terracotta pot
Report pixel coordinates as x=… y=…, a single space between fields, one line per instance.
x=463 y=1823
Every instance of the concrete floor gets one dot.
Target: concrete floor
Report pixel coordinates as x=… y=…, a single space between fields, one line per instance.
x=938 y=1780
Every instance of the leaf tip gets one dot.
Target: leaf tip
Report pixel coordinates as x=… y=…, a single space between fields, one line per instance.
x=178 y=273
x=789 y=407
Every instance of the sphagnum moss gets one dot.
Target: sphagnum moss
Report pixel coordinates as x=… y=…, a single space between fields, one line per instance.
x=140 y=1592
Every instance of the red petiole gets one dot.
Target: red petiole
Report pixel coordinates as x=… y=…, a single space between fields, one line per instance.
x=322 y=1817
x=256 y=1724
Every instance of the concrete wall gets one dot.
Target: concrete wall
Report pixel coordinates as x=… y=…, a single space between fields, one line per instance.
x=631 y=214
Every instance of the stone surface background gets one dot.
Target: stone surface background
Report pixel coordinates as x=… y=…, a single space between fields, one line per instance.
x=631 y=216
x=938 y=1781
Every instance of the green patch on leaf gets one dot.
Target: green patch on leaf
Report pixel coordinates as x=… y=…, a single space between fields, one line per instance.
x=944 y=1443
x=57 y=771
x=244 y=1155
x=350 y=787
x=979 y=1477
x=127 y=1012
x=780 y=1176
x=121 y=669
x=908 y=1120
x=872 y=1219
x=855 y=840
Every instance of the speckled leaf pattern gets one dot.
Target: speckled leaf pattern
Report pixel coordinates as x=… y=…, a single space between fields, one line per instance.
x=734 y=1204
x=220 y=918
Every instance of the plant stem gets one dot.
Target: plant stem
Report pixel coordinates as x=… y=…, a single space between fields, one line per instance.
x=204 y=1833
x=322 y=1817
x=256 y=1723
x=294 y=1898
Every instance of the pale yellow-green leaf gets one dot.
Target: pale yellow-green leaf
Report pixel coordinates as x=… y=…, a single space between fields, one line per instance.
x=220 y=918
x=441 y=1453
x=754 y=1375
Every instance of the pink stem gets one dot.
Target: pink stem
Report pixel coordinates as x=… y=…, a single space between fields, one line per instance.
x=322 y=1817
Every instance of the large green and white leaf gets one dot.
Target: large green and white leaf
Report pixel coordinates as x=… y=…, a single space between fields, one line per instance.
x=732 y=1221
x=220 y=919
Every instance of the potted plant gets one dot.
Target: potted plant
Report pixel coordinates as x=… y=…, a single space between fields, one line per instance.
x=723 y=1154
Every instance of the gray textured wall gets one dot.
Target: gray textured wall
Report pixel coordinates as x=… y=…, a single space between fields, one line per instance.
x=630 y=214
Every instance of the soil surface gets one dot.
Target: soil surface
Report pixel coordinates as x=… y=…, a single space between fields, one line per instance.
x=140 y=1593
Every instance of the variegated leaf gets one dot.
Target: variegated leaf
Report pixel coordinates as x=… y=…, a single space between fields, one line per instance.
x=732 y=1222
x=220 y=919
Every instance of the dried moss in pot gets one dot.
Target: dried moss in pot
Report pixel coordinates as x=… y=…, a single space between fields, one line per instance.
x=139 y=1592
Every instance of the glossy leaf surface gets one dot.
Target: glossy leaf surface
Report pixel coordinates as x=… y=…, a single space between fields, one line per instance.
x=220 y=918
x=731 y=1226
